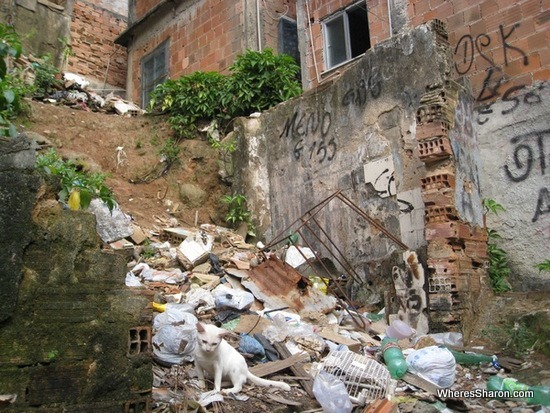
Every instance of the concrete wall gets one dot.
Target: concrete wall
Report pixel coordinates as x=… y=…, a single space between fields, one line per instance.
x=73 y=337
x=360 y=134
x=515 y=145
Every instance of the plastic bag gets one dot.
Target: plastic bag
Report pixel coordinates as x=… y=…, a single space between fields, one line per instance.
x=250 y=345
x=175 y=344
x=175 y=316
x=232 y=298
x=435 y=364
x=331 y=393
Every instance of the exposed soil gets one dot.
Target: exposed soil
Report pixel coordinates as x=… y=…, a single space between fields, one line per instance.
x=92 y=139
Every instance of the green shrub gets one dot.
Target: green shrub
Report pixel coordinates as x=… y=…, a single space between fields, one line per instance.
x=45 y=81
x=259 y=81
x=499 y=268
x=238 y=213
x=10 y=89
x=88 y=185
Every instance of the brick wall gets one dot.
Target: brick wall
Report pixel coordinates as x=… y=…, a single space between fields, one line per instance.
x=271 y=13
x=501 y=46
x=318 y=10
x=96 y=57
x=143 y=6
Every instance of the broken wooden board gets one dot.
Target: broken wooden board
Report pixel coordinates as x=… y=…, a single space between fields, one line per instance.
x=297 y=369
x=252 y=324
x=329 y=334
x=265 y=369
x=278 y=285
x=421 y=383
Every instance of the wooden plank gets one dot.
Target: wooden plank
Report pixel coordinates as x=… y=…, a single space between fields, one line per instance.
x=262 y=370
x=297 y=369
x=335 y=337
x=420 y=382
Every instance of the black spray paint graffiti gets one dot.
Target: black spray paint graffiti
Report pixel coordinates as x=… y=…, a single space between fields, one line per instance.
x=529 y=99
x=300 y=125
x=358 y=95
x=467 y=46
x=527 y=150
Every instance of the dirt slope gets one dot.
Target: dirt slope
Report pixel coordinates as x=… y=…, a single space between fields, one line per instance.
x=92 y=138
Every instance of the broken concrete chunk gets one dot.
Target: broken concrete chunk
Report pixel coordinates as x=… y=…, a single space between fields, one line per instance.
x=111 y=225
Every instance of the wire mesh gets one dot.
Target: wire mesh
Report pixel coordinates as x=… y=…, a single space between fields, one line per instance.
x=365 y=379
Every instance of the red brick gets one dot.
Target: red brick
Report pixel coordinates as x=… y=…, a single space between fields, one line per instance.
x=432 y=150
x=432 y=130
x=472 y=14
x=518 y=67
x=539 y=41
x=541 y=74
x=488 y=8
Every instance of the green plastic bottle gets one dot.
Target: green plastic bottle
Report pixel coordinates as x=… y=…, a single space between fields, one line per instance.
x=541 y=394
x=393 y=357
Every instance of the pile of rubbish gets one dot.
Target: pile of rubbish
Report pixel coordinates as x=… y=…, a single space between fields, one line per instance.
x=72 y=90
x=293 y=328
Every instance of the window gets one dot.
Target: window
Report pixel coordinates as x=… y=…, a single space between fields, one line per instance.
x=154 y=71
x=346 y=35
x=288 y=38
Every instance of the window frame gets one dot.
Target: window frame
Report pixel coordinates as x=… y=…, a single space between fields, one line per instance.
x=343 y=14
x=162 y=48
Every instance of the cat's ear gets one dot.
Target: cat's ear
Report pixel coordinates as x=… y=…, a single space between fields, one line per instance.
x=222 y=332
x=200 y=328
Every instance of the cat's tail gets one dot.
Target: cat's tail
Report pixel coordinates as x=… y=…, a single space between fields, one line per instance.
x=266 y=383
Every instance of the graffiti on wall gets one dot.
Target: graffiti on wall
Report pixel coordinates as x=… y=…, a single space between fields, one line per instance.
x=463 y=141
x=511 y=103
x=380 y=174
x=529 y=158
x=470 y=48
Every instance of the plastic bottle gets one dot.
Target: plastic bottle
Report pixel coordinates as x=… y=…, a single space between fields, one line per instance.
x=393 y=357
x=541 y=394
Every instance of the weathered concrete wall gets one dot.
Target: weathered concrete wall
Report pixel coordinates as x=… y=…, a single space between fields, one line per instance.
x=398 y=138
x=73 y=337
x=514 y=136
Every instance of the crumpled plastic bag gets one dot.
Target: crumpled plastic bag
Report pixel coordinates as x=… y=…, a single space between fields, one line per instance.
x=175 y=344
x=435 y=364
x=176 y=317
x=331 y=393
x=225 y=297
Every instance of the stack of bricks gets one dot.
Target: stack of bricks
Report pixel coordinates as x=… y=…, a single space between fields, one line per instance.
x=457 y=250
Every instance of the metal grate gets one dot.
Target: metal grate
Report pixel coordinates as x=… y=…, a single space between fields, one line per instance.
x=365 y=379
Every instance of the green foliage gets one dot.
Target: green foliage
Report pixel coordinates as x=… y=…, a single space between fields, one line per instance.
x=499 y=269
x=170 y=151
x=259 y=81
x=10 y=90
x=238 y=213
x=45 y=81
x=190 y=99
x=90 y=185
x=543 y=266
x=521 y=339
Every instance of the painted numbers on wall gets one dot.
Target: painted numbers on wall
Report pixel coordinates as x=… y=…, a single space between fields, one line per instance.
x=300 y=126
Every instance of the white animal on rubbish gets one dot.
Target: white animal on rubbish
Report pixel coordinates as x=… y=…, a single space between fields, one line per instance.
x=217 y=358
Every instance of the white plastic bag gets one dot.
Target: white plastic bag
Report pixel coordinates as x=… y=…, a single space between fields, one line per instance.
x=175 y=316
x=175 y=344
x=225 y=297
x=435 y=364
x=331 y=393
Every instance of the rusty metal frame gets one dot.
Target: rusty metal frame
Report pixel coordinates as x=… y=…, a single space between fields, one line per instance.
x=308 y=221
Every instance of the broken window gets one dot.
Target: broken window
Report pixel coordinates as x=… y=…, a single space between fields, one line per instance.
x=154 y=71
x=346 y=35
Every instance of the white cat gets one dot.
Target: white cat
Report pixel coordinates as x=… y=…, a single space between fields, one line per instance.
x=216 y=357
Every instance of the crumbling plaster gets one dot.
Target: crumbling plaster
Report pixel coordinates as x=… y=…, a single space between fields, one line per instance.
x=326 y=139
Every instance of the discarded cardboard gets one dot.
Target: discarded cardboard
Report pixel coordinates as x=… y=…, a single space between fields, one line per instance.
x=330 y=334
x=252 y=324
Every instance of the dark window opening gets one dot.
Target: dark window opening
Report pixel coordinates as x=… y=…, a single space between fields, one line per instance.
x=154 y=71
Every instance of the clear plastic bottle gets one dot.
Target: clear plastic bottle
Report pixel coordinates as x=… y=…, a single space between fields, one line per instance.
x=393 y=357
x=541 y=394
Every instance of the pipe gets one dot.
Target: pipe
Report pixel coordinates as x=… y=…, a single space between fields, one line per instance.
x=258 y=26
x=311 y=42
x=389 y=17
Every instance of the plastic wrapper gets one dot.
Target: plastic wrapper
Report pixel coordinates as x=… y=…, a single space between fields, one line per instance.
x=435 y=364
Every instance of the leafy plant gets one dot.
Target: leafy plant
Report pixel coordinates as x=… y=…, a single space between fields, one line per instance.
x=190 y=99
x=259 y=80
x=10 y=47
x=543 y=266
x=170 y=151
x=238 y=213
x=45 y=81
x=78 y=188
x=499 y=269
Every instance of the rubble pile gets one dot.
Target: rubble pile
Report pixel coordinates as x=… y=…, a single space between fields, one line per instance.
x=293 y=328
